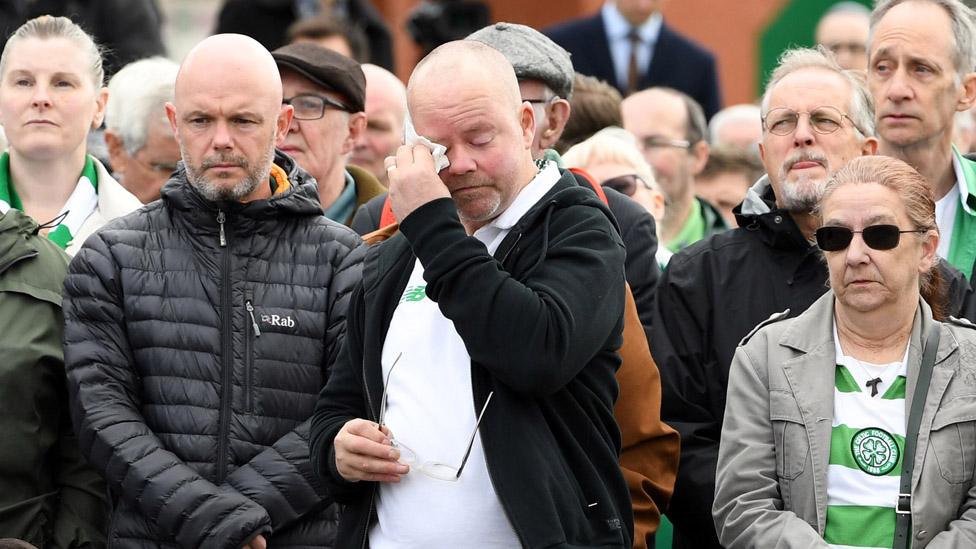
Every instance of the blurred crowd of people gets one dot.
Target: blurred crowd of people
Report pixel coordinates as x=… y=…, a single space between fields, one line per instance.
x=243 y=293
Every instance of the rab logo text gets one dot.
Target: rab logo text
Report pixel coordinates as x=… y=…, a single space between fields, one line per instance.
x=278 y=320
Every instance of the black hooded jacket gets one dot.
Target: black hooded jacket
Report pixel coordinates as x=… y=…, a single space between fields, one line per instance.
x=712 y=294
x=541 y=321
x=197 y=337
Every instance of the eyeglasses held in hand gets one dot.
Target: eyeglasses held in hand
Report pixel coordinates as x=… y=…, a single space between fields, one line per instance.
x=823 y=120
x=877 y=237
x=433 y=469
x=626 y=184
x=310 y=106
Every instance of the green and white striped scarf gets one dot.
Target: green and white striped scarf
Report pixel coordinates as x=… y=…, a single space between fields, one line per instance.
x=80 y=205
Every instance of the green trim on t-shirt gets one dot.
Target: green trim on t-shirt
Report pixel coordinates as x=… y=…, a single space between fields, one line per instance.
x=962 y=246
x=692 y=231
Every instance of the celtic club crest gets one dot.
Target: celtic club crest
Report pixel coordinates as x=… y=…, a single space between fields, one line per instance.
x=875 y=451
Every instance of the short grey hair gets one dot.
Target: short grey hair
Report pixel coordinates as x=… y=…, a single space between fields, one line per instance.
x=735 y=113
x=861 y=105
x=47 y=27
x=963 y=30
x=137 y=94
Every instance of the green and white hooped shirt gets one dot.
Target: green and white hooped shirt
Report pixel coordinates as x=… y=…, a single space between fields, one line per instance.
x=866 y=445
x=80 y=205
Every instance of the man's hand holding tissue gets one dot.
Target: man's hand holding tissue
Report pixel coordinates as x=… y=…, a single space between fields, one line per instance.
x=413 y=180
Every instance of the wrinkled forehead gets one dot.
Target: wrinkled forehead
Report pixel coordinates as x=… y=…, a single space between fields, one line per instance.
x=919 y=29
x=863 y=203
x=230 y=89
x=808 y=88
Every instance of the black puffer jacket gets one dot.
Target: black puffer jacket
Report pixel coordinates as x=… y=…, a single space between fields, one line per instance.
x=194 y=366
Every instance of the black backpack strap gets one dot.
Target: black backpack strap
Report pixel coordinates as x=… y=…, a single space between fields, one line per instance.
x=903 y=510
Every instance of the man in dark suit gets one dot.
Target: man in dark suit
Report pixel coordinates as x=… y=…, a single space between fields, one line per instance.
x=628 y=45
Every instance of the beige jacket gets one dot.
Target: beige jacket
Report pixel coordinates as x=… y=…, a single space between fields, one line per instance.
x=771 y=482
x=113 y=201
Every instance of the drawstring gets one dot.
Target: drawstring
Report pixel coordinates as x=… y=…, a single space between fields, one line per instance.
x=52 y=223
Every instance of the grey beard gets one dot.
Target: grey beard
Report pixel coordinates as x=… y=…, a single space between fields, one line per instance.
x=215 y=192
x=800 y=196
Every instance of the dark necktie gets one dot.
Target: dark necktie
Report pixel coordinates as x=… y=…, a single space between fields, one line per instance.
x=633 y=73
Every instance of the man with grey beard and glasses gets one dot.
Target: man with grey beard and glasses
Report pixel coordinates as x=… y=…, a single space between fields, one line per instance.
x=200 y=329
x=815 y=118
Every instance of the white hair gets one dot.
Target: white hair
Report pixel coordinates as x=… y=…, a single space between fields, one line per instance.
x=137 y=95
x=961 y=17
x=861 y=104
x=3 y=139
x=615 y=145
x=746 y=112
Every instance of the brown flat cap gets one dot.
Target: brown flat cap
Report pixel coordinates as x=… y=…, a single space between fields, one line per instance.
x=331 y=70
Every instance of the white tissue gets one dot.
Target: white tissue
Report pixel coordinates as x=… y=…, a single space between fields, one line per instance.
x=439 y=152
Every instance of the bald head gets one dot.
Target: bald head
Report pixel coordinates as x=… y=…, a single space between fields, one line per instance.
x=380 y=81
x=224 y=61
x=228 y=117
x=386 y=106
x=465 y=64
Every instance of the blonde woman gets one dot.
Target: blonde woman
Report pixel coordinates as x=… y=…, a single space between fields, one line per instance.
x=612 y=158
x=51 y=96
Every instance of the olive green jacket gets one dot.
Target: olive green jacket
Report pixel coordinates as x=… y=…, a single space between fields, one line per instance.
x=48 y=494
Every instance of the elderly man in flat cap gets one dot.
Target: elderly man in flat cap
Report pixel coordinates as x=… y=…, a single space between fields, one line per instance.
x=328 y=93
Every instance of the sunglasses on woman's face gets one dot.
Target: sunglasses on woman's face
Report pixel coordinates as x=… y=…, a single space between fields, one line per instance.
x=626 y=184
x=877 y=237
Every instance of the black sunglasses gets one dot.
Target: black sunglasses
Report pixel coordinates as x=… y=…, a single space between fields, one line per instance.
x=626 y=184
x=877 y=237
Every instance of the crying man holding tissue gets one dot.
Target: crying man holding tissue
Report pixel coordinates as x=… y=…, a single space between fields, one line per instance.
x=472 y=403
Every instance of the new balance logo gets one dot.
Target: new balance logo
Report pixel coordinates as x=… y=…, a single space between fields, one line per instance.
x=278 y=320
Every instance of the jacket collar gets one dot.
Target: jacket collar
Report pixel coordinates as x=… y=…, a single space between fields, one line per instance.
x=775 y=226
x=300 y=199
x=811 y=378
x=812 y=335
x=113 y=199
x=381 y=259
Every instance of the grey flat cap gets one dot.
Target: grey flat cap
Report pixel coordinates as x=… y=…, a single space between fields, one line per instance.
x=533 y=55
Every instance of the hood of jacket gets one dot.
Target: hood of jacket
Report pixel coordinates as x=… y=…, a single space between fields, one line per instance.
x=20 y=244
x=301 y=198
x=16 y=230
x=775 y=226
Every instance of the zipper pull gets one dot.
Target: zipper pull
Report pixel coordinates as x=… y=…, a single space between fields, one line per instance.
x=221 y=218
x=254 y=322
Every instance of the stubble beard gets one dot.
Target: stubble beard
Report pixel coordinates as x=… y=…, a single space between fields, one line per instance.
x=216 y=192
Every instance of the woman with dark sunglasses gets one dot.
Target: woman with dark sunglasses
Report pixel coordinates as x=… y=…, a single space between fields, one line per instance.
x=611 y=156
x=854 y=423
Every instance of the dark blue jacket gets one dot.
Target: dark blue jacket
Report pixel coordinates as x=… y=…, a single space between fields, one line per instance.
x=676 y=62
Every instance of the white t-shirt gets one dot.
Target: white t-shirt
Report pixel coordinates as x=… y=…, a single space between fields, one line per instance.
x=430 y=410
x=866 y=442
